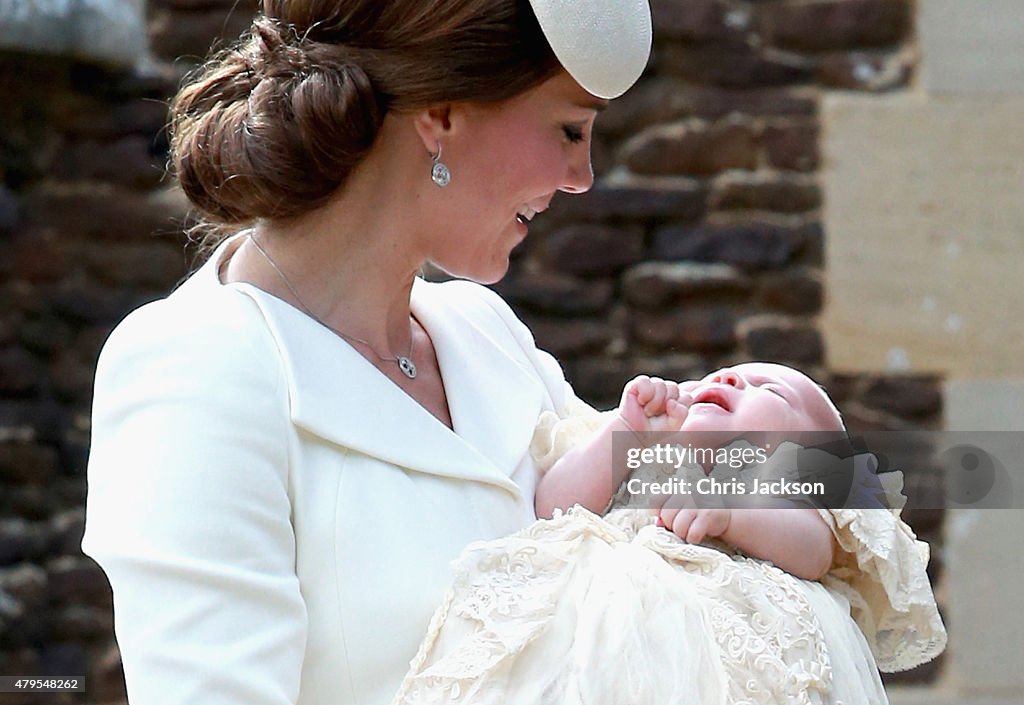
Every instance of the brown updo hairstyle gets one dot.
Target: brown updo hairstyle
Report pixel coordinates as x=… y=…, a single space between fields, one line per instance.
x=272 y=125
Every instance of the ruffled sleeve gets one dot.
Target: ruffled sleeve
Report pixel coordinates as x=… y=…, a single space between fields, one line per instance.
x=555 y=435
x=879 y=567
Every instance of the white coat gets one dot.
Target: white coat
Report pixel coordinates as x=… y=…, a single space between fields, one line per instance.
x=275 y=516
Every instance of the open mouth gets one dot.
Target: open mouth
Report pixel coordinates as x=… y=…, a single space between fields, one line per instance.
x=713 y=395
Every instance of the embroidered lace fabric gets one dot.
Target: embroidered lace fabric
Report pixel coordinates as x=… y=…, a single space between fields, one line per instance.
x=607 y=610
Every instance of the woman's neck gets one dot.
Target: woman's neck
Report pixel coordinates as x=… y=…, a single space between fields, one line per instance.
x=358 y=283
x=352 y=262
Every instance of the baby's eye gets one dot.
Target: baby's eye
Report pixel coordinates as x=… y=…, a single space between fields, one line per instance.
x=573 y=133
x=774 y=389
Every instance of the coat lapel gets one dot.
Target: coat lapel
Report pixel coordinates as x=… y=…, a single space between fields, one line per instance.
x=340 y=396
x=494 y=394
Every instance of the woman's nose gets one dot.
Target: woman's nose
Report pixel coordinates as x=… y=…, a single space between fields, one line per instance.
x=580 y=176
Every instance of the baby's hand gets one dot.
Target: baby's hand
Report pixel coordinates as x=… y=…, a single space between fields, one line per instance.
x=652 y=404
x=680 y=516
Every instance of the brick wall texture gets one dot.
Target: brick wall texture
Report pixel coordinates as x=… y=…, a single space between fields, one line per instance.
x=701 y=245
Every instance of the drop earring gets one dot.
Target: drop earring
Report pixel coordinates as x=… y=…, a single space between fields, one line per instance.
x=439 y=172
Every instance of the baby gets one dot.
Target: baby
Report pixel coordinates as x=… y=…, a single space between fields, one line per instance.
x=754 y=396
x=634 y=608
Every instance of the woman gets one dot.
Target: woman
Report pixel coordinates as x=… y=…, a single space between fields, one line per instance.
x=290 y=449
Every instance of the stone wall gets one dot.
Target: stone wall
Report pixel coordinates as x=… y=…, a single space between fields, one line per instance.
x=702 y=244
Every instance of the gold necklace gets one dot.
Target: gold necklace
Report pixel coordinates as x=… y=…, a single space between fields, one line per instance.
x=405 y=363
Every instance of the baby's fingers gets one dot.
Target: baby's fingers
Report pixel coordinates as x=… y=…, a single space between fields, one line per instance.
x=677 y=411
x=643 y=389
x=655 y=406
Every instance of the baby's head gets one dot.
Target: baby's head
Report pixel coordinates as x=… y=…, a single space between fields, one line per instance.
x=759 y=396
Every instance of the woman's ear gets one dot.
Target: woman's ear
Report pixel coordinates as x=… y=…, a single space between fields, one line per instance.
x=432 y=125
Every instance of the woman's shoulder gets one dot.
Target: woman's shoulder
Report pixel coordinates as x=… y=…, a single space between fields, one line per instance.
x=202 y=324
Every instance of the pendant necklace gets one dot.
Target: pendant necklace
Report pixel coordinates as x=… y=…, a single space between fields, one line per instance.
x=405 y=363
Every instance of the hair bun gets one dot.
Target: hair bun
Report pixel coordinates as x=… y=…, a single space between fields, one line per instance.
x=273 y=126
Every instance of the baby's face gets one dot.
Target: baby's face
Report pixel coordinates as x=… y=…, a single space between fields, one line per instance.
x=759 y=396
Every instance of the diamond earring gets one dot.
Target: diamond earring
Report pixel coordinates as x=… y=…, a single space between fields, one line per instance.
x=439 y=172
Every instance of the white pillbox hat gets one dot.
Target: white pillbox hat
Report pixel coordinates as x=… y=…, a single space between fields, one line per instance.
x=603 y=44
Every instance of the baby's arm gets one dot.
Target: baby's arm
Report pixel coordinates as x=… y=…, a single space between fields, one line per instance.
x=797 y=540
x=585 y=475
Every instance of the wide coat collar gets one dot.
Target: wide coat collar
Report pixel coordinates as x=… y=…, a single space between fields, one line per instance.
x=494 y=396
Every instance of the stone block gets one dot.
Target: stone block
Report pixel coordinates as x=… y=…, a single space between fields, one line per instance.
x=129 y=161
x=924 y=219
x=551 y=292
x=693 y=147
x=971 y=48
x=21 y=540
x=25 y=583
x=88 y=118
x=40 y=255
x=66 y=531
x=907 y=396
x=777 y=340
x=31 y=502
x=193 y=33
x=10 y=324
x=72 y=373
x=926 y=499
x=195 y=4
x=733 y=66
x=653 y=285
x=700 y=329
x=31 y=420
x=792 y=146
x=152 y=265
x=631 y=197
x=91 y=303
x=77 y=579
x=570 y=337
x=44 y=335
x=81 y=623
x=598 y=379
x=10 y=211
x=715 y=103
x=778 y=192
x=104 y=212
x=797 y=290
x=986 y=606
x=676 y=366
x=108 y=31
x=63 y=657
x=592 y=249
x=821 y=25
x=23 y=660
x=867 y=70
x=651 y=101
x=20 y=372
x=106 y=680
x=697 y=20
x=749 y=244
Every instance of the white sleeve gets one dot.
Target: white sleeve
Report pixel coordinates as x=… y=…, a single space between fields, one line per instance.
x=188 y=511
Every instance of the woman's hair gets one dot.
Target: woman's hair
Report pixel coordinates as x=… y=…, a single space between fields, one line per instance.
x=272 y=125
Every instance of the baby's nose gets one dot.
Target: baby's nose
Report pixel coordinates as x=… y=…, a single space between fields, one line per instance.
x=729 y=377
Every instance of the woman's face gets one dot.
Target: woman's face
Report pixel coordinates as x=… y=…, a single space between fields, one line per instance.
x=507 y=162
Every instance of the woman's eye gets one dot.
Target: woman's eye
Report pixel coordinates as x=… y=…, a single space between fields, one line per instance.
x=572 y=133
